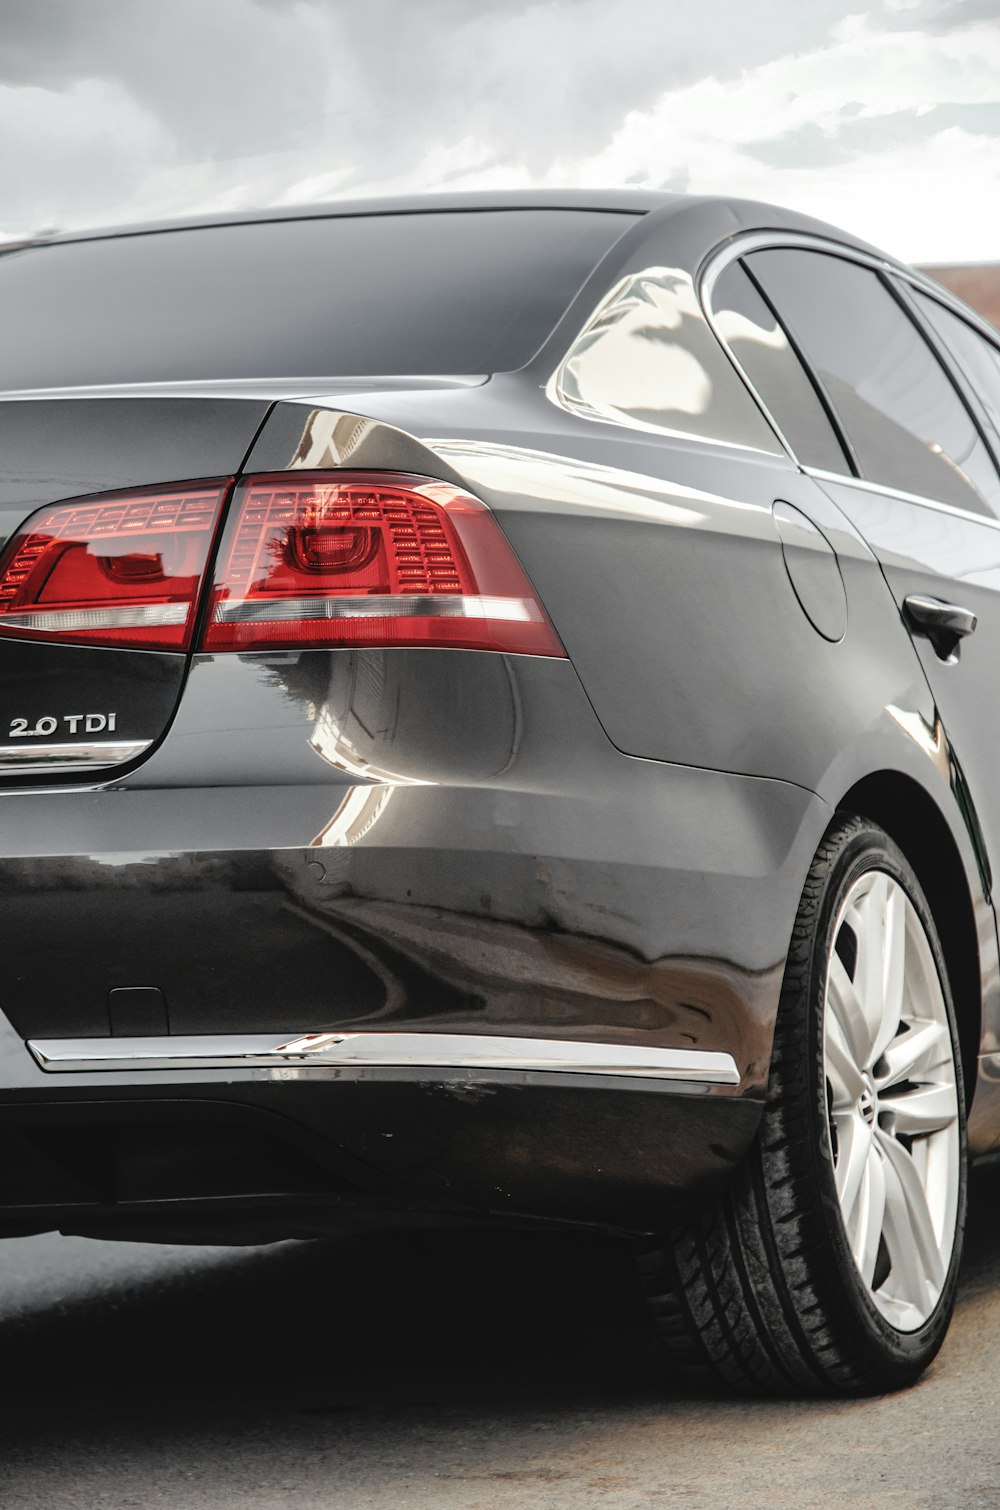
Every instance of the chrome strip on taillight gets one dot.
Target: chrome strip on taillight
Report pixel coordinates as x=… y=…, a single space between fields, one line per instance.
x=377 y=606
x=65 y=620
x=334 y=1050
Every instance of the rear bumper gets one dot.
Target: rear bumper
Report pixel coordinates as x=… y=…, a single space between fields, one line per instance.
x=411 y=845
x=269 y=1150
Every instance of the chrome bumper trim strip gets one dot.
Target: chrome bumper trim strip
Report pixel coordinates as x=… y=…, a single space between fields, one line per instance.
x=382 y=1051
x=49 y=758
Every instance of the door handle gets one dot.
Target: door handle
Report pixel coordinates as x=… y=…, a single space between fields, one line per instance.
x=944 y=624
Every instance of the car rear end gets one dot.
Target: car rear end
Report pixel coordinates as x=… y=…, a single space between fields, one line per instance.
x=323 y=884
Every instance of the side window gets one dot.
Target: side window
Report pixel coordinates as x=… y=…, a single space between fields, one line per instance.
x=978 y=356
x=900 y=410
x=760 y=346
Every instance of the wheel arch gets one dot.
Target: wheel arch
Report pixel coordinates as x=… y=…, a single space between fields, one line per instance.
x=915 y=822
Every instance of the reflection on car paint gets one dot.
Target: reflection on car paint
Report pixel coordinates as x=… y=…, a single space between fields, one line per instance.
x=647 y=359
x=361 y=808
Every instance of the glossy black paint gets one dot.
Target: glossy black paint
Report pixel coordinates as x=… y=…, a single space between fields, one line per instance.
x=56 y=448
x=511 y=871
x=610 y=847
x=252 y=1164
x=65 y=683
x=474 y=293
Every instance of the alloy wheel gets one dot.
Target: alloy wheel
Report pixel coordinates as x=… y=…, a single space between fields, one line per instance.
x=892 y=1100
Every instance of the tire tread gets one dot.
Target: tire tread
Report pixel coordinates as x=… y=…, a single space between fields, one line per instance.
x=751 y=1287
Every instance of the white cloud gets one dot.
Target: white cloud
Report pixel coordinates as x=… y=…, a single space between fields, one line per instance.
x=930 y=200
x=326 y=100
x=54 y=138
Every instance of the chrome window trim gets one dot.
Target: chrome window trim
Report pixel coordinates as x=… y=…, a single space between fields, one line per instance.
x=949 y=301
x=705 y=283
x=754 y=241
x=326 y=1050
x=880 y=487
x=948 y=355
x=90 y=756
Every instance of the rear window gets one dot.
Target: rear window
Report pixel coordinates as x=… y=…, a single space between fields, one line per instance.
x=445 y=292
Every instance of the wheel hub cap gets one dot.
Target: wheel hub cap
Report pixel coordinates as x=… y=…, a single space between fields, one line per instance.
x=867 y=1102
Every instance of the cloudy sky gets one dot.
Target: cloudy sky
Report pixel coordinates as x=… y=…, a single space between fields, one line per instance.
x=882 y=116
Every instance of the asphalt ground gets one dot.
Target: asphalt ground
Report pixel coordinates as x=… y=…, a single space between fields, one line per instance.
x=430 y=1371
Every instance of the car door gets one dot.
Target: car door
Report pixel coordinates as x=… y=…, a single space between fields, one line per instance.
x=920 y=484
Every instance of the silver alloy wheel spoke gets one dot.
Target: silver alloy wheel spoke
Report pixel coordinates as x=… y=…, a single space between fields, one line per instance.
x=895 y=968
x=845 y=1003
x=870 y=1219
x=854 y=1143
x=926 y=1110
x=869 y=978
x=842 y=1073
x=893 y=1099
x=909 y=1232
x=923 y=1048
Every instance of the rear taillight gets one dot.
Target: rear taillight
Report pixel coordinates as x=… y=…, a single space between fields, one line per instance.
x=360 y=559
x=306 y=560
x=118 y=569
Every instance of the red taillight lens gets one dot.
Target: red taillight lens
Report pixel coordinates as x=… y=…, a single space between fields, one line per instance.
x=352 y=559
x=121 y=569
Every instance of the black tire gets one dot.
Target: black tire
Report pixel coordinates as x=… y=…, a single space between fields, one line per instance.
x=760 y=1287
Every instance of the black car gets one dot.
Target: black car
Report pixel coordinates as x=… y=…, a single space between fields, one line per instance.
x=495 y=727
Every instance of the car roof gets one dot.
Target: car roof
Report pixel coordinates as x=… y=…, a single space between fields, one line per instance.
x=662 y=204
x=620 y=201
x=626 y=201
x=724 y=214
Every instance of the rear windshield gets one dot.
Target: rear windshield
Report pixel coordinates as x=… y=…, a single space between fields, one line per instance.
x=445 y=292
